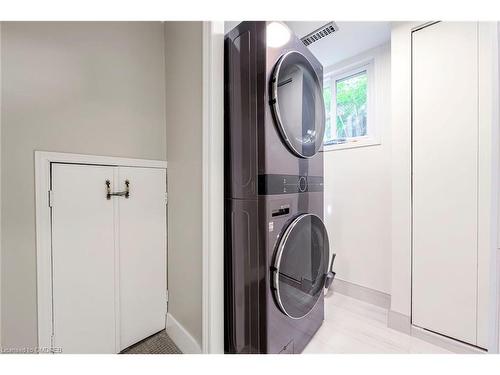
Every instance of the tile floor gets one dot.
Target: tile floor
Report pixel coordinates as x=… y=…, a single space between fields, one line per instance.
x=353 y=326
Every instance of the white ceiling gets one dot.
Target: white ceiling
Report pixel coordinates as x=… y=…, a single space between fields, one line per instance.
x=351 y=39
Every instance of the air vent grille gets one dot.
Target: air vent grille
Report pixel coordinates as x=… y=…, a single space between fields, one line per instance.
x=320 y=33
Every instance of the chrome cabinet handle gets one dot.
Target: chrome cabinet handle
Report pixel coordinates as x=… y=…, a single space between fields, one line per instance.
x=125 y=193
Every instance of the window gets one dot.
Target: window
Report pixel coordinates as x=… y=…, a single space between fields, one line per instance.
x=347 y=96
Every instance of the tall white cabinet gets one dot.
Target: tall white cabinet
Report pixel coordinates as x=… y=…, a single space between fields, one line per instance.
x=108 y=256
x=450 y=269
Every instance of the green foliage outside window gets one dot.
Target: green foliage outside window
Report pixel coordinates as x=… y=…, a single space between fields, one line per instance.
x=351 y=108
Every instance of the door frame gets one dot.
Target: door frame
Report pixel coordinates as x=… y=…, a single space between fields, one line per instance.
x=213 y=188
x=43 y=161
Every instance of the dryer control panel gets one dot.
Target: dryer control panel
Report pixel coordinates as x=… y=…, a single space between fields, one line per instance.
x=272 y=184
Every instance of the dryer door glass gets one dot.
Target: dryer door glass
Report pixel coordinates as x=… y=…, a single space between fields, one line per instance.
x=297 y=102
x=301 y=264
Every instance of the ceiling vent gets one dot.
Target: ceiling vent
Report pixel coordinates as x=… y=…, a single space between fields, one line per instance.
x=320 y=33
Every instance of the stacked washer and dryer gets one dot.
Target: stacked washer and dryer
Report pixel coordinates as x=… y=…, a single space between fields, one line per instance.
x=276 y=256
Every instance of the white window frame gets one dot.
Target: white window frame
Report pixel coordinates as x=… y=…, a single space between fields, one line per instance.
x=331 y=76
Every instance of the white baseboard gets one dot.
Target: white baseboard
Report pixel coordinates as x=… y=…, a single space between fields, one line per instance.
x=181 y=337
x=362 y=293
x=402 y=323
x=445 y=342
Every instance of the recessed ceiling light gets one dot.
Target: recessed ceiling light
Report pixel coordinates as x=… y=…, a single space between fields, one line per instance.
x=277 y=34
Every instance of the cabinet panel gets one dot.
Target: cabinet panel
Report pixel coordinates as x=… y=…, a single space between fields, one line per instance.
x=445 y=179
x=83 y=260
x=109 y=257
x=143 y=263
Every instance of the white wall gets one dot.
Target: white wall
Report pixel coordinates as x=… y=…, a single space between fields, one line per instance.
x=80 y=87
x=0 y=186
x=497 y=279
x=184 y=155
x=487 y=212
x=358 y=192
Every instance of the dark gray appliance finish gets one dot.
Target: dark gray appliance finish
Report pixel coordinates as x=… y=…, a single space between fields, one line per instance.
x=303 y=276
x=273 y=192
x=255 y=144
x=270 y=306
x=296 y=98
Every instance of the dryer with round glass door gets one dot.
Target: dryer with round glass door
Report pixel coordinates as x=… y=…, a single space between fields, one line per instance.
x=297 y=104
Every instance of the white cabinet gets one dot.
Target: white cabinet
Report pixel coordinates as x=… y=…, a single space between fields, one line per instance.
x=446 y=295
x=108 y=256
x=143 y=263
x=83 y=259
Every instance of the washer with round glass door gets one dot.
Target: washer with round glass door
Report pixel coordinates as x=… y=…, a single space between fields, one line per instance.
x=300 y=265
x=298 y=252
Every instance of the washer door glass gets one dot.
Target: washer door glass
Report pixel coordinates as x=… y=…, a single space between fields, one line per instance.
x=298 y=106
x=301 y=265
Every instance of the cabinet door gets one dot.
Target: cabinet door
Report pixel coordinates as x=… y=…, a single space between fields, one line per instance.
x=83 y=260
x=445 y=179
x=143 y=262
